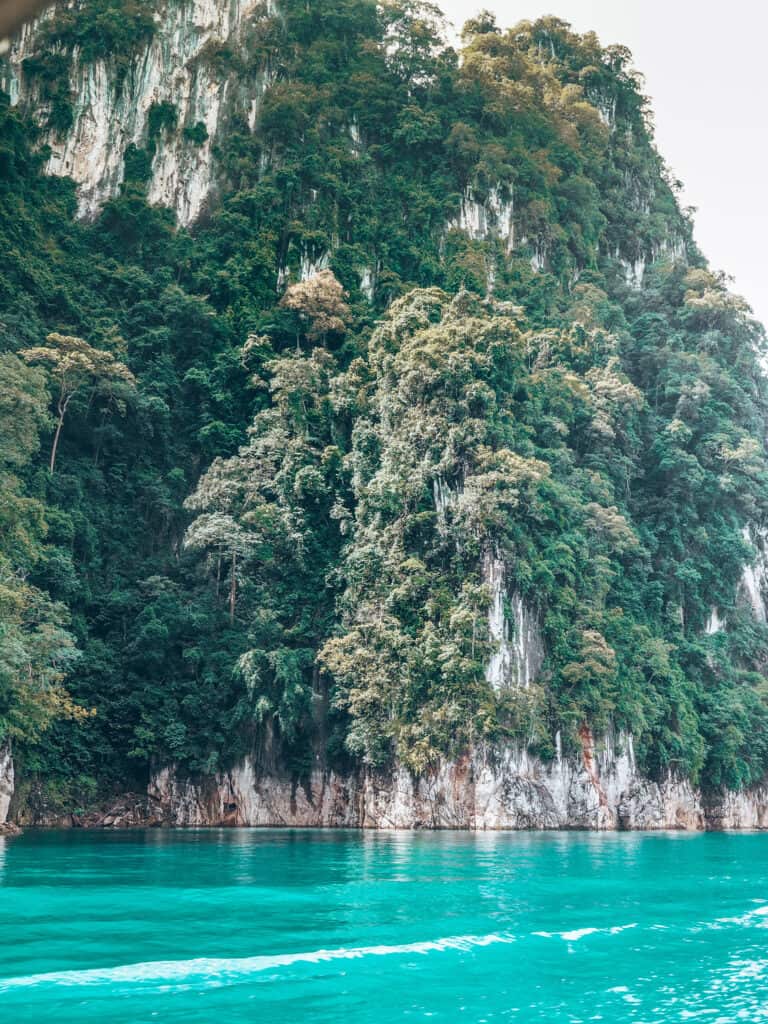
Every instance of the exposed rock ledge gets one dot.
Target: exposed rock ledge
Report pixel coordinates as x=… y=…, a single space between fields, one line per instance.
x=510 y=789
x=491 y=789
x=6 y=781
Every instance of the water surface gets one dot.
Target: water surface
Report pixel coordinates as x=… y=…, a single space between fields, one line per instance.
x=315 y=926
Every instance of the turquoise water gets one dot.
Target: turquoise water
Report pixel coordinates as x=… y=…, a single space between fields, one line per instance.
x=288 y=926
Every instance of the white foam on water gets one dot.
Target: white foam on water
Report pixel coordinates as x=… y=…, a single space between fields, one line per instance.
x=755 y=917
x=580 y=933
x=217 y=969
x=220 y=970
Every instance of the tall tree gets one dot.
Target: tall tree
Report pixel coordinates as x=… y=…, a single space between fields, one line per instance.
x=74 y=366
x=36 y=649
x=319 y=305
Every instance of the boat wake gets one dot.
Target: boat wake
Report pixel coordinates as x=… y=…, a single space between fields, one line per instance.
x=216 y=971
x=223 y=969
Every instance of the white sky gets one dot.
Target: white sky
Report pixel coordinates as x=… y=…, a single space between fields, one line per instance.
x=705 y=70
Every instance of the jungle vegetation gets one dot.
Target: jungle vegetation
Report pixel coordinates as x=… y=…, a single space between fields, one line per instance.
x=217 y=481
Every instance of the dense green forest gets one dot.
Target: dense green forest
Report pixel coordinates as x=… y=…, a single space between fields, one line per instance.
x=218 y=512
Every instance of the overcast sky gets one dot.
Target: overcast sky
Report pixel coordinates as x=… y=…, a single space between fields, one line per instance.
x=705 y=69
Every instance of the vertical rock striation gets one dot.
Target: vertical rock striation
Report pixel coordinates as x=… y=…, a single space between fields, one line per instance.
x=518 y=647
x=6 y=780
x=492 y=217
x=598 y=787
x=754 y=580
x=185 y=66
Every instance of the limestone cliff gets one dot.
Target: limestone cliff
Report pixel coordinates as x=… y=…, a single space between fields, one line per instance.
x=490 y=789
x=598 y=789
x=6 y=781
x=182 y=66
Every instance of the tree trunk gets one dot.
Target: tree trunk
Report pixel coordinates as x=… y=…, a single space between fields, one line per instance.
x=233 y=588
x=62 y=410
x=56 y=437
x=97 y=452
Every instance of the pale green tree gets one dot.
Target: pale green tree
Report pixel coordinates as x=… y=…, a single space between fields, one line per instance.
x=320 y=306
x=74 y=366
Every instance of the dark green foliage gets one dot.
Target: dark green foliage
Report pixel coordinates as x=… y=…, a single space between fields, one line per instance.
x=51 y=76
x=162 y=117
x=197 y=133
x=138 y=164
x=102 y=28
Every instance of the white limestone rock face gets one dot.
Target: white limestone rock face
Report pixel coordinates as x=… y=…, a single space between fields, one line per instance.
x=538 y=261
x=600 y=789
x=597 y=788
x=368 y=277
x=6 y=781
x=753 y=587
x=241 y=797
x=635 y=272
x=673 y=249
x=301 y=263
x=747 y=809
x=492 y=218
x=356 y=137
x=715 y=624
x=518 y=647
x=110 y=113
x=606 y=107
x=312 y=265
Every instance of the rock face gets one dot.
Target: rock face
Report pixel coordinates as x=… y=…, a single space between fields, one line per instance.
x=493 y=217
x=181 y=65
x=747 y=809
x=517 y=643
x=504 y=789
x=6 y=781
x=598 y=788
x=754 y=582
